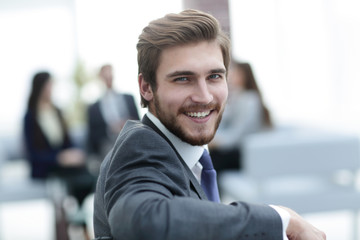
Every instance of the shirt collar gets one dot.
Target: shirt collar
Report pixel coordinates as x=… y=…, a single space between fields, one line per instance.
x=189 y=153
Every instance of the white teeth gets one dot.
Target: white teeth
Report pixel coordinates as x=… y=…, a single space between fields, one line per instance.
x=198 y=114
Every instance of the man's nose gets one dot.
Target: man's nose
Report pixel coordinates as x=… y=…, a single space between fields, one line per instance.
x=202 y=93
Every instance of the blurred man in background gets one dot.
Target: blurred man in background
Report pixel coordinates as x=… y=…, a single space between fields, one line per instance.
x=107 y=116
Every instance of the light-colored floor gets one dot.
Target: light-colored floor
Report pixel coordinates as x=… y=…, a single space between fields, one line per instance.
x=31 y=220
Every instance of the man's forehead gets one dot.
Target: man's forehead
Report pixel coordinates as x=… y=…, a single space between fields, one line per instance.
x=194 y=57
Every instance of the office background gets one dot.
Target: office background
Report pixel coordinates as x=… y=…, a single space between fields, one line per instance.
x=305 y=55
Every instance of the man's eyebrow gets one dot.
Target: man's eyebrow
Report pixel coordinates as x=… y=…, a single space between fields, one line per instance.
x=218 y=70
x=180 y=73
x=190 y=73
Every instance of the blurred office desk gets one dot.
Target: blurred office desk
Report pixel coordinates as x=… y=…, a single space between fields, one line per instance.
x=25 y=209
x=305 y=169
x=16 y=185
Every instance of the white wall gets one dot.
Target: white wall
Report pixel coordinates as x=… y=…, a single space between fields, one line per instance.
x=108 y=31
x=55 y=34
x=306 y=58
x=33 y=37
x=305 y=53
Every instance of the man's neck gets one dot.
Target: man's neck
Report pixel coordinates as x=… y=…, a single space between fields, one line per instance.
x=187 y=151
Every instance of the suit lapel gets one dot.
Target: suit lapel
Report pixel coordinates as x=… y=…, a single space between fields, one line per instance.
x=193 y=181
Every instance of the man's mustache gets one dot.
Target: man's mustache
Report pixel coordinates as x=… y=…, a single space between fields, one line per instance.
x=193 y=107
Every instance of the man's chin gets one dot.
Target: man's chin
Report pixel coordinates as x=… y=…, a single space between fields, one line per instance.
x=195 y=135
x=197 y=140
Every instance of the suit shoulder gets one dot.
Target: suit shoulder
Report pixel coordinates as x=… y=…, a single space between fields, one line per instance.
x=136 y=130
x=140 y=145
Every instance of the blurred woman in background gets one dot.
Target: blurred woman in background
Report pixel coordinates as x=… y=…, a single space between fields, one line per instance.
x=245 y=113
x=49 y=147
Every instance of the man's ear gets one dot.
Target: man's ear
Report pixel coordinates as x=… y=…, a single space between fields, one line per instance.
x=145 y=88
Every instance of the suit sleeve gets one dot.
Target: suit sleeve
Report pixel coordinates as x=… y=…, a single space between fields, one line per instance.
x=146 y=197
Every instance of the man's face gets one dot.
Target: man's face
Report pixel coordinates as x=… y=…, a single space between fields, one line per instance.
x=107 y=76
x=191 y=91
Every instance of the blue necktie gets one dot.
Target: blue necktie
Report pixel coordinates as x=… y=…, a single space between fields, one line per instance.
x=208 y=178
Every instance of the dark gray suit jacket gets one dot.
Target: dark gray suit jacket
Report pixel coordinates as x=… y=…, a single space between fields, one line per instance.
x=146 y=191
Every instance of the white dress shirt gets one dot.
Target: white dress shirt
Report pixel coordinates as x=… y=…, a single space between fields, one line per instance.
x=191 y=155
x=113 y=107
x=50 y=124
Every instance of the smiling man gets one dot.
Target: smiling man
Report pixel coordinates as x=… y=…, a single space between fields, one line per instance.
x=158 y=182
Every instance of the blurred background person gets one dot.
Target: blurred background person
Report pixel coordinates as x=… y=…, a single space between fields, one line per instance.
x=245 y=113
x=107 y=116
x=49 y=148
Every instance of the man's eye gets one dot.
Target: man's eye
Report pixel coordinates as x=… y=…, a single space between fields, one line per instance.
x=215 y=76
x=181 y=79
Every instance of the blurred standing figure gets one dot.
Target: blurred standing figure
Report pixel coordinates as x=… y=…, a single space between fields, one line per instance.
x=50 y=150
x=245 y=113
x=107 y=116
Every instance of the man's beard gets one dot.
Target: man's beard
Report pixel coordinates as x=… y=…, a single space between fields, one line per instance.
x=172 y=124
